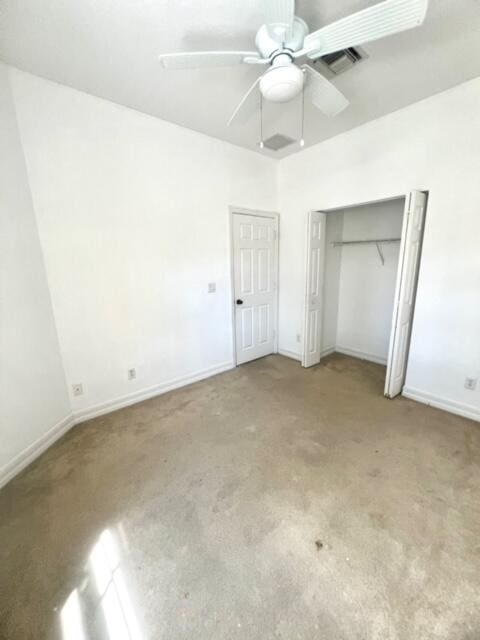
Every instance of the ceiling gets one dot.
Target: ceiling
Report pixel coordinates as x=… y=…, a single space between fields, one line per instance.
x=109 y=48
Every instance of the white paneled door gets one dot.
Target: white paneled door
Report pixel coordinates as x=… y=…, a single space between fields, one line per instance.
x=255 y=285
x=314 y=287
x=408 y=266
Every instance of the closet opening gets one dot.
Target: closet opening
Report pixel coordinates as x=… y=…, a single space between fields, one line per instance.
x=361 y=279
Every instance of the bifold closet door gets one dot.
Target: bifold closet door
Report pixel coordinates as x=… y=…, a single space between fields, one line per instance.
x=314 y=288
x=408 y=265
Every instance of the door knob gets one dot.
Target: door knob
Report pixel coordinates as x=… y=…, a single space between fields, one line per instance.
x=239 y=301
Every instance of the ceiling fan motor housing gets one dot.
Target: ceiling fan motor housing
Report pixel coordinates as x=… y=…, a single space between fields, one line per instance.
x=272 y=38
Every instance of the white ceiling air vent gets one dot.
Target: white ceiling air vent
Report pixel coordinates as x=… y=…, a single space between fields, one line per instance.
x=341 y=61
x=277 y=141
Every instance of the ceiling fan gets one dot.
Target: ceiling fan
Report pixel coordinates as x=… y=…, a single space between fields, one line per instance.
x=284 y=39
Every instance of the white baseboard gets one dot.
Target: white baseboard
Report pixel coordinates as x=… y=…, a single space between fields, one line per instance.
x=144 y=394
x=28 y=455
x=298 y=356
x=290 y=354
x=459 y=408
x=363 y=355
x=326 y=351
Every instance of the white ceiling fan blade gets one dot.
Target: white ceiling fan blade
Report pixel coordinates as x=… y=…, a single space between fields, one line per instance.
x=373 y=23
x=279 y=15
x=246 y=107
x=197 y=59
x=323 y=94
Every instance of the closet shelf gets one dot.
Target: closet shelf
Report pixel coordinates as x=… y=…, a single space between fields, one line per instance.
x=377 y=243
x=338 y=243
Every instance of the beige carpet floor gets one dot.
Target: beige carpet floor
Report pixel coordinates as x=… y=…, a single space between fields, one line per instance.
x=267 y=502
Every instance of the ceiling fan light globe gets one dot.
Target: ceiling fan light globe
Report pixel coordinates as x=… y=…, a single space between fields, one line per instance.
x=282 y=84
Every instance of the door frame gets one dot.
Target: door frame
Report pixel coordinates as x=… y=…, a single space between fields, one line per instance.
x=259 y=213
x=326 y=210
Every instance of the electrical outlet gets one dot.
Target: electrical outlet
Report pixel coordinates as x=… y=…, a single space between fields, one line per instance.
x=77 y=389
x=299 y=337
x=471 y=384
x=132 y=374
x=212 y=287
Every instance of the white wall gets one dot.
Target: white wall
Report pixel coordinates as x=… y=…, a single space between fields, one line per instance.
x=433 y=145
x=133 y=220
x=34 y=405
x=366 y=287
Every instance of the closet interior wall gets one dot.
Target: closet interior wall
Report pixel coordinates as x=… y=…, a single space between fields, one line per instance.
x=358 y=288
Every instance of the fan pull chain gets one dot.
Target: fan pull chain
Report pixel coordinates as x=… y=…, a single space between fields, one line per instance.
x=260 y=144
x=302 y=138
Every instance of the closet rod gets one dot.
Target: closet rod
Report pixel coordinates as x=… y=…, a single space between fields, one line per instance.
x=339 y=243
